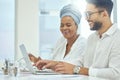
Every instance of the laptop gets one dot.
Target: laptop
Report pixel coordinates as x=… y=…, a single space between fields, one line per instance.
x=29 y=64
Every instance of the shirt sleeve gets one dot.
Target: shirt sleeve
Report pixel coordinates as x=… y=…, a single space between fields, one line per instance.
x=113 y=69
x=104 y=73
x=78 y=52
x=56 y=47
x=78 y=61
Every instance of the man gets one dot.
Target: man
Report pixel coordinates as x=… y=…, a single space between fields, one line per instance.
x=102 y=55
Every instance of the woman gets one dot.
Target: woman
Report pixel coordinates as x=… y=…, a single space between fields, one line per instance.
x=71 y=45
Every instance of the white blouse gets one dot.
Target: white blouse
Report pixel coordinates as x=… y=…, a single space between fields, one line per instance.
x=76 y=50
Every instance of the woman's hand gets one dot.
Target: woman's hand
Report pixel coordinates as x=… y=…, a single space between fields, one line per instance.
x=49 y=64
x=33 y=58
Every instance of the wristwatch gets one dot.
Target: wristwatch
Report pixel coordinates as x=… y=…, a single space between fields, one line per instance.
x=76 y=70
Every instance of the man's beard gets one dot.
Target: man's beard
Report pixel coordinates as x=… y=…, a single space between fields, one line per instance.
x=96 y=26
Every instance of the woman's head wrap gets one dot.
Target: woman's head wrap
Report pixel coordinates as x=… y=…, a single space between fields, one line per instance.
x=70 y=10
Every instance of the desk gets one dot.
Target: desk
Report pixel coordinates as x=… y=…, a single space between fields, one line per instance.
x=29 y=76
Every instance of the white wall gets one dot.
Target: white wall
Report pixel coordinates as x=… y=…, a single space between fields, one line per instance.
x=7 y=29
x=27 y=26
x=118 y=13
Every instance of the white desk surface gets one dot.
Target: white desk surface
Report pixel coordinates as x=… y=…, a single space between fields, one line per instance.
x=29 y=76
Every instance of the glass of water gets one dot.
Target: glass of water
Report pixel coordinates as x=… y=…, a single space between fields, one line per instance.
x=13 y=68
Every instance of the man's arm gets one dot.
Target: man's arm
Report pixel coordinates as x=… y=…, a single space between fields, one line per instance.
x=84 y=71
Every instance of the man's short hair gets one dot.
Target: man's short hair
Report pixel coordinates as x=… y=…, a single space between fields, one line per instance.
x=102 y=4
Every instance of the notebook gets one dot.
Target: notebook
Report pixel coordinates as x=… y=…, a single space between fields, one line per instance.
x=29 y=64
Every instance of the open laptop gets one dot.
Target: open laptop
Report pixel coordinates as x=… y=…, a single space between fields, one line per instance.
x=29 y=64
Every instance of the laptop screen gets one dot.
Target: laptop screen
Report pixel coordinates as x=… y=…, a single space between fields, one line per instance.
x=26 y=58
x=29 y=65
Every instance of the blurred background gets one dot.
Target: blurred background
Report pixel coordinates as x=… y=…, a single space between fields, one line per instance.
x=35 y=23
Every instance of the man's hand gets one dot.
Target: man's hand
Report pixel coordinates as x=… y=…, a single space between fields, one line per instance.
x=84 y=71
x=60 y=67
x=67 y=68
x=64 y=68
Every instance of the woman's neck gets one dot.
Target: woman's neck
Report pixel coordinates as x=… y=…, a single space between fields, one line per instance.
x=72 y=40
